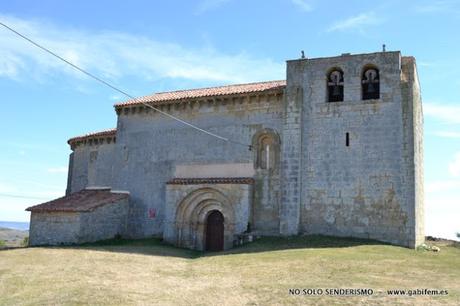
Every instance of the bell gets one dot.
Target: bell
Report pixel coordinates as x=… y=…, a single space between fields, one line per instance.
x=370 y=87
x=335 y=90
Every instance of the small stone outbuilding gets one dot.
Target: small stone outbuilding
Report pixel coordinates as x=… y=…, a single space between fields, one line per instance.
x=85 y=216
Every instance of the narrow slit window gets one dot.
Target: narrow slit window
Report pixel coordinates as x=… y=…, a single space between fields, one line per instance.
x=265 y=154
x=347 y=139
x=267 y=160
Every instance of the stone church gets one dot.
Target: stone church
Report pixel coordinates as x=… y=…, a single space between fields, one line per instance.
x=335 y=149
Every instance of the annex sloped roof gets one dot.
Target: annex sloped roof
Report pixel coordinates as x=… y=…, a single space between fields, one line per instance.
x=81 y=201
x=163 y=97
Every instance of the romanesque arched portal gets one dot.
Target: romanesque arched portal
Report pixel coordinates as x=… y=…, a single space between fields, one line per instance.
x=192 y=216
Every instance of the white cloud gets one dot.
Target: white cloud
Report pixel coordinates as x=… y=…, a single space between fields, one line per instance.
x=438 y=6
x=447 y=134
x=113 y=55
x=441 y=212
x=358 y=22
x=57 y=170
x=10 y=64
x=5 y=187
x=446 y=113
x=304 y=5
x=443 y=186
x=454 y=166
x=116 y=97
x=207 y=5
x=426 y=64
x=442 y=204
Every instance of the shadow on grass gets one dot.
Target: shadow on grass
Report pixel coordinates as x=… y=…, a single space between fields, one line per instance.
x=156 y=247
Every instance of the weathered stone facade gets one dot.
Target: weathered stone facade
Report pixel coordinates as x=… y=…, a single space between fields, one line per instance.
x=351 y=167
x=77 y=221
x=188 y=203
x=365 y=189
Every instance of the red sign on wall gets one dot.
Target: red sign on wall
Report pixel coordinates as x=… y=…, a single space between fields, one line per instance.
x=152 y=213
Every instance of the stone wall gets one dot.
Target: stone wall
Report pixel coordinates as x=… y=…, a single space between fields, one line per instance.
x=70 y=169
x=79 y=169
x=291 y=161
x=149 y=146
x=266 y=199
x=363 y=189
x=92 y=165
x=413 y=144
x=55 y=228
x=105 y=222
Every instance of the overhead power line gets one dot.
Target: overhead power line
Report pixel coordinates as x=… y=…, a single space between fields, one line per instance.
x=7 y=195
x=100 y=80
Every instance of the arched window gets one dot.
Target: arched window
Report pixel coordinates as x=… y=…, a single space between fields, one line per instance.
x=335 y=85
x=266 y=147
x=370 y=83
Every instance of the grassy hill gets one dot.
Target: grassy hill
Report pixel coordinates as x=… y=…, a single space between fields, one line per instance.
x=261 y=273
x=12 y=238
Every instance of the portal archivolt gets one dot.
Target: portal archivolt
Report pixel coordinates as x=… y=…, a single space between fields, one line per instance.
x=192 y=214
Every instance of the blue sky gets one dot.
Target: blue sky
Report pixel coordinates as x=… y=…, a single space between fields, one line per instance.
x=145 y=48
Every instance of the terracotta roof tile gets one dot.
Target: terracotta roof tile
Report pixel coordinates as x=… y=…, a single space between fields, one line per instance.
x=163 y=97
x=213 y=180
x=82 y=201
x=109 y=132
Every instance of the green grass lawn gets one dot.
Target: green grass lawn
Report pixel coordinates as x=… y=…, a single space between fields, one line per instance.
x=260 y=273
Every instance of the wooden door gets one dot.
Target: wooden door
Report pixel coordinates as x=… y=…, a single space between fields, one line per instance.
x=215 y=231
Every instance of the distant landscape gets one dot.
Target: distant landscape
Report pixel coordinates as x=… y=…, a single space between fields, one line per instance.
x=12 y=234
x=22 y=226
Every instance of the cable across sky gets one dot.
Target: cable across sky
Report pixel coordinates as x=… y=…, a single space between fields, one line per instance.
x=100 y=80
x=8 y=195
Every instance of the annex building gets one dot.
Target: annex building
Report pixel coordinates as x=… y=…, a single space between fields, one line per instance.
x=336 y=149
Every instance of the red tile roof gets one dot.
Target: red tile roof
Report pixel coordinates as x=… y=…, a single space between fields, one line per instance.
x=109 y=132
x=212 y=180
x=82 y=201
x=164 y=97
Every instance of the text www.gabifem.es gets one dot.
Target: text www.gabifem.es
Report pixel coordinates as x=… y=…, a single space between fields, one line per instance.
x=365 y=292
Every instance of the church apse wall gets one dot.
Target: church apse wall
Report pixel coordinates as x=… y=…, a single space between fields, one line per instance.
x=91 y=163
